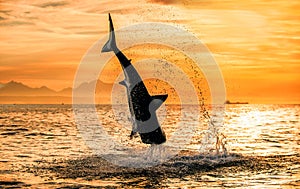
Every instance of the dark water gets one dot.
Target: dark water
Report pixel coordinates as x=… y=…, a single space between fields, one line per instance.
x=41 y=147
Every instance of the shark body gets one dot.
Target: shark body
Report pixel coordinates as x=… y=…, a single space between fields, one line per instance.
x=142 y=105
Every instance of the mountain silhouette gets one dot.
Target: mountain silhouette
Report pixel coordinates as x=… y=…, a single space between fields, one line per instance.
x=13 y=88
x=17 y=92
x=89 y=86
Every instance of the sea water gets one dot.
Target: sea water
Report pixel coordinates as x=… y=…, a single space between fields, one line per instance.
x=257 y=146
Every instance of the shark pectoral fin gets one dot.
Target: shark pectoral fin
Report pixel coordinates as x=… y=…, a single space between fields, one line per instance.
x=157 y=101
x=161 y=98
x=123 y=83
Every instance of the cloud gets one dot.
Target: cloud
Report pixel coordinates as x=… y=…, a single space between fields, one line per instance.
x=120 y=10
x=53 y=4
x=167 y=2
x=5 y=11
x=15 y=23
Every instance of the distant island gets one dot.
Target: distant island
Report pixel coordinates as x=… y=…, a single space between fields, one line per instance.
x=228 y=102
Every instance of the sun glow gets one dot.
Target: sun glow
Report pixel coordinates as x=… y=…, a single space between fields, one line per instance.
x=257 y=48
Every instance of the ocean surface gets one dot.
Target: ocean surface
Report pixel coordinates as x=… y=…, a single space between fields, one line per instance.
x=254 y=146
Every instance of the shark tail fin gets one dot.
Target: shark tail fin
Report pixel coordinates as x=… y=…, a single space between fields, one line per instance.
x=157 y=101
x=111 y=43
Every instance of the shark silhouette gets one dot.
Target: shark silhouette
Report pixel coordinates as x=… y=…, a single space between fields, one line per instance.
x=142 y=105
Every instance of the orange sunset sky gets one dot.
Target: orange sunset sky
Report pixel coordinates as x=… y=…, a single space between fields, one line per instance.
x=255 y=43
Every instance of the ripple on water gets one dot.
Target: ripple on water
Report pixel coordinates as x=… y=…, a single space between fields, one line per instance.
x=54 y=150
x=231 y=170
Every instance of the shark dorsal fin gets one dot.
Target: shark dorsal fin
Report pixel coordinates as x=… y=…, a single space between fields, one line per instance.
x=157 y=101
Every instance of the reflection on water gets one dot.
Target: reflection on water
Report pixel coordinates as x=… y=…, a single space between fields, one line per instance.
x=263 y=129
x=40 y=146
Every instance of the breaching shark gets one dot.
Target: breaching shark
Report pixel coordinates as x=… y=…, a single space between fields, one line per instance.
x=142 y=105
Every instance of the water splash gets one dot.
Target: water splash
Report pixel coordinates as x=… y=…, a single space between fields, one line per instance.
x=213 y=140
x=156 y=153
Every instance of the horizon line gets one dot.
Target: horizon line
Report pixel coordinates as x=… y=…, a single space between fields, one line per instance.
x=127 y=104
